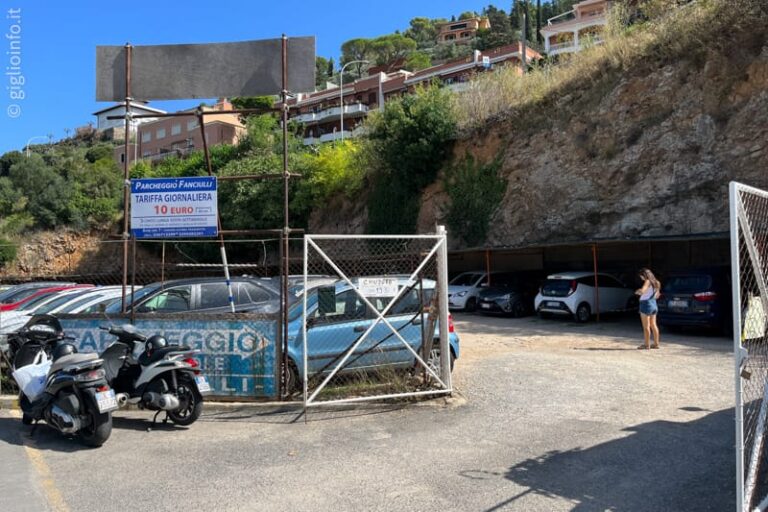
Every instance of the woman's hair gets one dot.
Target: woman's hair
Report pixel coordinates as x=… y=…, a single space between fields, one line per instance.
x=647 y=275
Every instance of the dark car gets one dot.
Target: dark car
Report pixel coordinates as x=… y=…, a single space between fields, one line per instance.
x=203 y=295
x=696 y=298
x=510 y=293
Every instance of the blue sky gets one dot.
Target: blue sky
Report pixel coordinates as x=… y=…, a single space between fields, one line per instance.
x=56 y=44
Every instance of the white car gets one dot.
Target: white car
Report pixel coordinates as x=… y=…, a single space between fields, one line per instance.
x=573 y=294
x=82 y=300
x=464 y=289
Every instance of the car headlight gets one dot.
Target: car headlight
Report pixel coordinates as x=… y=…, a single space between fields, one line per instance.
x=461 y=294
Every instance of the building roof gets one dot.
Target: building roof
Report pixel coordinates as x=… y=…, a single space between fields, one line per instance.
x=134 y=104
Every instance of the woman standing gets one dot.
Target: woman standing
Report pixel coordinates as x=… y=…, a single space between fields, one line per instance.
x=648 y=293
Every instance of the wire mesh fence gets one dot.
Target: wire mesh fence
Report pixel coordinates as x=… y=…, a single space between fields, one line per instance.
x=749 y=239
x=371 y=318
x=179 y=289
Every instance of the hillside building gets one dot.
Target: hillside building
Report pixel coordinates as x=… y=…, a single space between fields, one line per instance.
x=320 y=112
x=461 y=31
x=573 y=30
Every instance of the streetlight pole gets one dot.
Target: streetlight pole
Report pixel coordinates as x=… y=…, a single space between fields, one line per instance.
x=31 y=139
x=341 y=92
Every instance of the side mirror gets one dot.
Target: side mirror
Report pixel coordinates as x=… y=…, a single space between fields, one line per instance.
x=311 y=322
x=102 y=308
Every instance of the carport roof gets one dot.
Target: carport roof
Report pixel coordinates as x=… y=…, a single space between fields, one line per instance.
x=717 y=235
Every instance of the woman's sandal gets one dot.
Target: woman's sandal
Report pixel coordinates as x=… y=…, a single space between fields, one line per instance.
x=655 y=346
x=642 y=347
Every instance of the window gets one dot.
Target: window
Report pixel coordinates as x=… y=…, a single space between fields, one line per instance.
x=169 y=301
x=606 y=282
x=191 y=125
x=176 y=129
x=146 y=136
x=160 y=133
x=146 y=153
x=214 y=295
x=246 y=293
x=122 y=157
x=348 y=306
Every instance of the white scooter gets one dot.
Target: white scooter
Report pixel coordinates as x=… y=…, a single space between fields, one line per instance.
x=148 y=372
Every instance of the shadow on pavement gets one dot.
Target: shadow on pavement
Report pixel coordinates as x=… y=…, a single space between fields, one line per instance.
x=12 y=431
x=660 y=465
x=295 y=414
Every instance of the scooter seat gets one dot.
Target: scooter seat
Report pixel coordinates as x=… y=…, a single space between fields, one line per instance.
x=71 y=359
x=160 y=354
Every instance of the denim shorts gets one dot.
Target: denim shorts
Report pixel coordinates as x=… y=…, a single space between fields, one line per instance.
x=648 y=307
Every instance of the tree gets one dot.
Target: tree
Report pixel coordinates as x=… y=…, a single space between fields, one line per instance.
x=392 y=47
x=539 y=37
x=321 y=72
x=359 y=49
x=498 y=19
x=49 y=194
x=331 y=68
x=7 y=160
x=417 y=60
x=423 y=31
x=410 y=141
x=467 y=15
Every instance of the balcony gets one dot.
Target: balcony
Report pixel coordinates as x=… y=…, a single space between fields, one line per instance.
x=571 y=46
x=332 y=113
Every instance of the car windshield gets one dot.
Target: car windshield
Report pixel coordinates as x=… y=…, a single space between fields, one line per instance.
x=58 y=301
x=465 y=279
x=687 y=284
x=38 y=301
x=117 y=305
x=19 y=295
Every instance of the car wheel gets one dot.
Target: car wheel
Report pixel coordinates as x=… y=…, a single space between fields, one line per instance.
x=291 y=379
x=518 y=309
x=583 y=313
x=471 y=304
x=433 y=361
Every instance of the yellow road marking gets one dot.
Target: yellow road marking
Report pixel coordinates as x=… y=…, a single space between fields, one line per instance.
x=52 y=493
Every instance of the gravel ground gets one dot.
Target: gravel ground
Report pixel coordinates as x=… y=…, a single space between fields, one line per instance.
x=549 y=416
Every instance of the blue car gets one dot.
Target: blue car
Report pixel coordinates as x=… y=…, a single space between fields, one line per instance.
x=340 y=317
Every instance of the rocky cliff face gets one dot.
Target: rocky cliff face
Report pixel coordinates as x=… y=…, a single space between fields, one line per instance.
x=647 y=152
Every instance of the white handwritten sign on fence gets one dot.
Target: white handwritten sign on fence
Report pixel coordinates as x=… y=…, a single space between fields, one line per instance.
x=378 y=286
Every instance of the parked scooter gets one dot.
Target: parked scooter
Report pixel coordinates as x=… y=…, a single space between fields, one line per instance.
x=76 y=398
x=154 y=375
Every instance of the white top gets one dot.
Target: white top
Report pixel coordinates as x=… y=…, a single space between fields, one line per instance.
x=649 y=293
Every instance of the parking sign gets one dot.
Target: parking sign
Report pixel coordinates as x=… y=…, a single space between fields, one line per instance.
x=174 y=207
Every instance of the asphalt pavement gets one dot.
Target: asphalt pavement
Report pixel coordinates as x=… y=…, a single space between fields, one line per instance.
x=549 y=415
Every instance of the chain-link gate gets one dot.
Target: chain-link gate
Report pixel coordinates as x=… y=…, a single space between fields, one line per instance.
x=371 y=319
x=749 y=260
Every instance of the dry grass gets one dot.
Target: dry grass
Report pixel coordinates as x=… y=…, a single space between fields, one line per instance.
x=675 y=33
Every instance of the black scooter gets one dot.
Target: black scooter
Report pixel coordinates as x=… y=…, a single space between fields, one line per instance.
x=77 y=398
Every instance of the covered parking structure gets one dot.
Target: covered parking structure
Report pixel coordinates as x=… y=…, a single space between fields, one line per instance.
x=621 y=257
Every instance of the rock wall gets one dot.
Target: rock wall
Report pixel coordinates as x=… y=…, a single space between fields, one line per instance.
x=648 y=152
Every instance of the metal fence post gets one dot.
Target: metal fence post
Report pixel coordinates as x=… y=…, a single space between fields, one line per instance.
x=442 y=287
x=736 y=304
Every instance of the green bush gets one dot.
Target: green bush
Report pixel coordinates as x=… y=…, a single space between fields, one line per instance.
x=411 y=139
x=475 y=191
x=7 y=252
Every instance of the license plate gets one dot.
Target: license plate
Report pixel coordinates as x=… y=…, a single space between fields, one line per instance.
x=202 y=384
x=678 y=303
x=553 y=304
x=485 y=305
x=106 y=400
